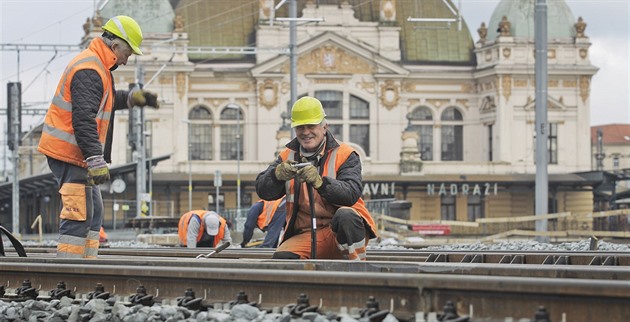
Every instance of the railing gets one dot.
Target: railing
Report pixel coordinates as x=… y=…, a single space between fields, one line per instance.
x=119 y=211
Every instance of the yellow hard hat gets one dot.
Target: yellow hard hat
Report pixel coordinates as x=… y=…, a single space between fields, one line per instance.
x=126 y=29
x=307 y=110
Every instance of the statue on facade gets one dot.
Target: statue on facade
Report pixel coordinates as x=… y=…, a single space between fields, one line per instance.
x=87 y=25
x=178 y=23
x=580 y=26
x=97 y=20
x=504 y=27
x=483 y=32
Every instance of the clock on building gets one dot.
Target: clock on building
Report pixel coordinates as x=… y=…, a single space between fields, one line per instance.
x=118 y=185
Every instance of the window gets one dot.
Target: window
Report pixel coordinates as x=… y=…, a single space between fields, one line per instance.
x=475 y=207
x=452 y=135
x=490 y=142
x=552 y=141
x=231 y=140
x=351 y=126
x=421 y=120
x=200 y=133
x=448 y=207
x=332 y=102
x=615 y=161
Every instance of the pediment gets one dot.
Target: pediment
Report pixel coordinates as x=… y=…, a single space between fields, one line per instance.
x=552 y=104
x=330 y=54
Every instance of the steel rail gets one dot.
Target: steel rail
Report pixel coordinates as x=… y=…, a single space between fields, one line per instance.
x=404 y=293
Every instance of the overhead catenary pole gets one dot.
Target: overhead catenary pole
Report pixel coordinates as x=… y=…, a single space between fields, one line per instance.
x=140 y=151
x=542 y=180
x=16 y=100
x=293 y=51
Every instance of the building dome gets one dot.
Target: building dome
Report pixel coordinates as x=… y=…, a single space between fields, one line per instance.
x=155 y=16
x=520 y=14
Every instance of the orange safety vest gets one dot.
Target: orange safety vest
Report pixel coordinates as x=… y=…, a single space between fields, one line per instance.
x=182 y=227
x=267 y=213
x=324 y=210
x=58 y=140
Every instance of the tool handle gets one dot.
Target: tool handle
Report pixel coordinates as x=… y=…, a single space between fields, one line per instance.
x=216 y=251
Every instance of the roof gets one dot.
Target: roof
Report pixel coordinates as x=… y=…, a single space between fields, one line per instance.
x=44 y=181
x=233 y=23
x=612 y=133
x=520 y=14
x=155 y=16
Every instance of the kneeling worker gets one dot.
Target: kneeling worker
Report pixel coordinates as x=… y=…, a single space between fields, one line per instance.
x=269 y=217
x=202 y=228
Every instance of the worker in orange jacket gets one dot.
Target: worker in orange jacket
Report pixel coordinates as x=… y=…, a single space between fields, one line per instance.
x=78 y=131
x=269 y=217
x=202 y=228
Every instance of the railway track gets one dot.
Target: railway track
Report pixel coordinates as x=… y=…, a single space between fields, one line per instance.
x=577 y=286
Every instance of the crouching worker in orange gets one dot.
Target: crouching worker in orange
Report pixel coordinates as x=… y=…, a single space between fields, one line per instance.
x=202 y=228
x=344 y=226
x=78 y=131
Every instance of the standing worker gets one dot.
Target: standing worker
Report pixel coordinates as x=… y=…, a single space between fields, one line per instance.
x=202 y=228
x=343 y=224
x=268 y=216
x=78 y=131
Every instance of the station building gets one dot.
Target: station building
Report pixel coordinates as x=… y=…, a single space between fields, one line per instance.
x=439 y=120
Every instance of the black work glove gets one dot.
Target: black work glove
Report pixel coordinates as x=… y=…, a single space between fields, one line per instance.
x=98 y=172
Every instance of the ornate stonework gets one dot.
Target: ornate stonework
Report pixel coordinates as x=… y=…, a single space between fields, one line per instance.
x=507 y=52
x=178 y=23
x=583 y=53
x=389 y=94
x=268 y=93
x=483 y=32
x=369 y=87
x=245 y=86
x=467 y=88
x=585 y=85
x=504 y=27
x=506 y=83
x=580 y=26
x=553 y=83
x=569 y=83
x=438 y=102
x=330 y=59
x=388 y=10
x=462 y=102
x=265 y=9
x=487 y=104
x=521 y=83
x=180 y=80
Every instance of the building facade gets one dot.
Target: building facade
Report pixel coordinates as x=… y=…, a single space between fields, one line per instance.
x=438 y=120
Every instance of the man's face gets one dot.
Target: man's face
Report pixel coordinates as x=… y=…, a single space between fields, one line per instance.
x=122 y=52
x=310 y=135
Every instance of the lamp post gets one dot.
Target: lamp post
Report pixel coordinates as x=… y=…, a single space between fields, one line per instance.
x=238 y=156
x=189 y=167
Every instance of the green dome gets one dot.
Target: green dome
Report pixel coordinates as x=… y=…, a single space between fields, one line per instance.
x=152 y=16
x=520 y=14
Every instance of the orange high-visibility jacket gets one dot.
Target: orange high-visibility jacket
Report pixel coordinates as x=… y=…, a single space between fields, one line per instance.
x=182 y=227
x=267 y=213
x=58 y=140
x=102 y=235
x=325 y=211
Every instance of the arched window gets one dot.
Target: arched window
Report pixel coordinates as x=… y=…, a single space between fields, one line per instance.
x=348 y=117
x=200 y=133
x=231 y=139
x=452 y=135
x=421 y=120
x=359 y=123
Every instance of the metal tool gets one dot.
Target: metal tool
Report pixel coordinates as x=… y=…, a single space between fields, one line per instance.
x=216 y=251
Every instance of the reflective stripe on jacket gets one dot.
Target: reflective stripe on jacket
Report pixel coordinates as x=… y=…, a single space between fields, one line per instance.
x=58 y=139
x=182 y=227
x=324 y=210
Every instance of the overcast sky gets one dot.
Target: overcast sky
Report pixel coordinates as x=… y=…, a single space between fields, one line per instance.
x=60 y=22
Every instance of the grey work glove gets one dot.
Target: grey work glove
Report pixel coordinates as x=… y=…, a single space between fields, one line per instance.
x=139 y=97
x=286 y=171
x=310 y=175
x=97 y=170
